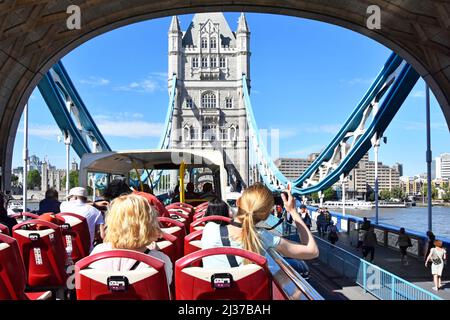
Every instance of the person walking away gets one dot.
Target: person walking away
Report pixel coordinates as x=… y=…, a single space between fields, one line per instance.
x=404 y=242
x=77 y=203
x=304 y=213
x=437 y=257
x=328 y=220
x=333 y=235
x=369 y=243
x=50 y=203
x=321 y=222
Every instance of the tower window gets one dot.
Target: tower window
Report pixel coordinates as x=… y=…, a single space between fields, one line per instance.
x=222 y=62
x=213 y=62
x=209 y=132
x=204 y=62
x=189 y=103
x=204 y=43
x=213 y=43
x=194 y=62
x=194 y=133
x=208 y=100
x=186 y=134
x=223 y=133
x=229 y=102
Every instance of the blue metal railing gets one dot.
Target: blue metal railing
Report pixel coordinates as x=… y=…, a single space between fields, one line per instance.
x=373 y=279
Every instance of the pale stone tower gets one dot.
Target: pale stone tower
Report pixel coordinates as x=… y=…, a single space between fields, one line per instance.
x=209 y=61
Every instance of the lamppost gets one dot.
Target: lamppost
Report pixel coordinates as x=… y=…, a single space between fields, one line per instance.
x=68 y=142
x=25 y=158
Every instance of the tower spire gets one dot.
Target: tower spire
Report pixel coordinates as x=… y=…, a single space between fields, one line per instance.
x=242 y=24
x=175 y=25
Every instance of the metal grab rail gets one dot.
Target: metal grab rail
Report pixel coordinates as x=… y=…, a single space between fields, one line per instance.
x=292 y=284
x=373 y=279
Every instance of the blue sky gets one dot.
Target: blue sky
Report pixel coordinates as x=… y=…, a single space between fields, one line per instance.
x=307 y=77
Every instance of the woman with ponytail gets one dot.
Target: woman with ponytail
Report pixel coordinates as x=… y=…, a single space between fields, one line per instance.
x=254 y=206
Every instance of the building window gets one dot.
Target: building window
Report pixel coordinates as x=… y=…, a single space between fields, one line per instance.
x=208 y=100
x=223 y=134
x=232 y=133
x=213 y=43
x=222 y=62
x=204 y=43
x=194 y=133
x=189 y=103
x=186 y=134
x=204 y=62
x=209 y=132
x=195 y=62
x=229 y=102
x=213 y=62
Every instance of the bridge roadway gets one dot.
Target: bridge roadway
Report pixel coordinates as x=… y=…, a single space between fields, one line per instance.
x=385 y=258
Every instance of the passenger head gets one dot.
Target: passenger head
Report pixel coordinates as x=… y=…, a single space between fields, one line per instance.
x=207 y=187
x=402 y=231
x=217 y=207
x=430 y=234
x=77 y=193
x=146 y=188
x=132 y=223
x=51 y=194
x=437 y=243
x=116 y=188
x=254 y=206
x=190 y=187
x=302 y=207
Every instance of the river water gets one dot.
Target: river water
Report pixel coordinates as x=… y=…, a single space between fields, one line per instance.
x=414 y=218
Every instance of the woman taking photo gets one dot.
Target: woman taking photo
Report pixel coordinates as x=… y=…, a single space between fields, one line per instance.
x=254 y=206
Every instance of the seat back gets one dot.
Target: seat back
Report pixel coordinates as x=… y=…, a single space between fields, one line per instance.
x=76 y=235
x=140 y=284
x=168 y=245
x=12 y=270
x=4 y=229
x=200 y=223
x=201 y=206
x=180 y=216
x=43 y=253
x=192 y=242
x=247 y=282
x=24 y=216
x=180 y=205
x=175 y=228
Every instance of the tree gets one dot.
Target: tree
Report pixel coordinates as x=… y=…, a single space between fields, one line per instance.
x=397 y=193
x=434 y=191
x=385 y=195
x=329 y=194
x=315 y=197
x=34 y=179
x=14 y=180
x=73 y=179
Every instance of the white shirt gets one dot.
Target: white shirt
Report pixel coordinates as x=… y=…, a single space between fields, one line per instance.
x=211 y=239
x=124 y=264
x=92 y=215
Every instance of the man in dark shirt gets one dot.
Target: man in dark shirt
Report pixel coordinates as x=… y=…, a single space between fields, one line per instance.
x=50 y=203
x=4 y=219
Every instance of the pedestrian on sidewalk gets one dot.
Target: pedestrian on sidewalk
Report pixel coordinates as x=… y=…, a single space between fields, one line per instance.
x=369 y=243
x=328 y=220
x=430 y=243
x=333 y=234
x=404 y=242
x=321 y=222
x=437 y=256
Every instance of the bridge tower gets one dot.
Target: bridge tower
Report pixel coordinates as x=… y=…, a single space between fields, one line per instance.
x=209 y=112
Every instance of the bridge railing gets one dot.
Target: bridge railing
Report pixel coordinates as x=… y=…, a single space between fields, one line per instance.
x=371 y=278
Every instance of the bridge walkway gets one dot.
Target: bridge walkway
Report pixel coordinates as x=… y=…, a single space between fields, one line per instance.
x=389 y=259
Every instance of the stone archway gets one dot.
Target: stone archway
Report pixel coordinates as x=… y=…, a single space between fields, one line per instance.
x=34 y=35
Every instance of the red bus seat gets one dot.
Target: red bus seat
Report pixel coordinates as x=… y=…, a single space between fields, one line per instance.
x=4 y=229
x=76 y=235
x=140 y=284
x=180 y=216
x=192 y=242
x=43 y=253
x=176 y=228
x=23 y=215
x=201 y=206
x=247 y=282
x=13 y=276
x=200 y=223
x=168 y=245
x=180 y=205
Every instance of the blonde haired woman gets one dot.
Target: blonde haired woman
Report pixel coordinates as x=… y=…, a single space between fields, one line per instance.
x=254 y=206
x=132 y=224
x=437 y=256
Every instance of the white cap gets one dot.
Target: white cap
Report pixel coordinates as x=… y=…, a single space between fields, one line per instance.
x=78 y=191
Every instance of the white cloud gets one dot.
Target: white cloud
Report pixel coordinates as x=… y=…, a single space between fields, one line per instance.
x=156 y=81
x=130 y=129
x=357 y=81
x=48 y=132
x=322 y=128
x=95 y=81
x=305 y=151
x=420 y=126
x=418 y=94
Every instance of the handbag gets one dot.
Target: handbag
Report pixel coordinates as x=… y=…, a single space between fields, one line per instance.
x=435 y=258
